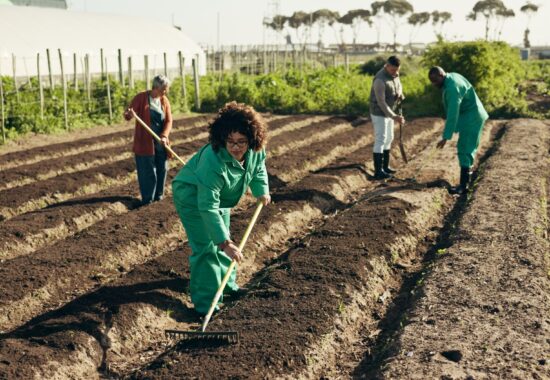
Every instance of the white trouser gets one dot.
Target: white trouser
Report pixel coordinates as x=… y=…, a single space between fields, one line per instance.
x=383 y=133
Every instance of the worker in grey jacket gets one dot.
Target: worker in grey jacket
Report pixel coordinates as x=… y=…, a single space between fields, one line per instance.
x=386 y=93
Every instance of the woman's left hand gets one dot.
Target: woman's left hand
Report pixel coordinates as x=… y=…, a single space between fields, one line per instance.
x=265 y=199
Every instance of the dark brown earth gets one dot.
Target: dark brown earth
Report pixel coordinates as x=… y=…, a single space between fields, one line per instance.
x=125 y=136
x=327 y=267
x=110 y=243
x=484 y=310
x=68 y=183
x=288 y=199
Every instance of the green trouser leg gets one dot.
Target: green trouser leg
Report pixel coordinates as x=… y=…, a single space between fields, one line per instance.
x=208 y=264
x=468 y=142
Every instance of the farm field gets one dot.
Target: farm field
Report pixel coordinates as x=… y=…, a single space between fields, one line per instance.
x=348 y=277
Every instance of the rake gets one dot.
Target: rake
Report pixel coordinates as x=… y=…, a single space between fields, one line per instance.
x=202 y=334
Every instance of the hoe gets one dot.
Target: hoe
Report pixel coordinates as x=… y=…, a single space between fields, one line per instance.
x=401 y=146
x=152 y=133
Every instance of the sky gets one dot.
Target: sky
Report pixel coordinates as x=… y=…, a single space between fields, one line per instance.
x=240 y=21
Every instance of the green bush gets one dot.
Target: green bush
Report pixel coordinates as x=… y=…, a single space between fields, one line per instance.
x=422 y=99
x=493 y=68
x=371 y=67
x=22 y=110
x=321 y=91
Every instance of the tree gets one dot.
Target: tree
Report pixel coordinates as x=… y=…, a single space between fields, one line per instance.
x=529 y=9
x=395 y=10
x=277 y=23
x=502 y=15
x=322 y=18
x=301 y=21
x=377 y=13
x=439 y=19
x=355 y=19
x=488 y=9
x=416 y=20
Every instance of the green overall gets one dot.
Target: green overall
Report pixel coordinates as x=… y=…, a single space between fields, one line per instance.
x=465 y=116
x=204 y=192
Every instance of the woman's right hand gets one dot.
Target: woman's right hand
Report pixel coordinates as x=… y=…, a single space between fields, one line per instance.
x=233 y=251
x=128 y=114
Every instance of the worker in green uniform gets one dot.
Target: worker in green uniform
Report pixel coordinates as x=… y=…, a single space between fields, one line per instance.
x=465 y=115
x=206 y=189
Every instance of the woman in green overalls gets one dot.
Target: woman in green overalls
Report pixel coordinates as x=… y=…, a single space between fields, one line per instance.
x=153 y=108
x=213 y=182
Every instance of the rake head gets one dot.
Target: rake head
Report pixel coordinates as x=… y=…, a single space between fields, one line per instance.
x=230 y=337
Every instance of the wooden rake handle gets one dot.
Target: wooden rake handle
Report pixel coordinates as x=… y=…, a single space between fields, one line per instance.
x=152 y=133
x=231 y=266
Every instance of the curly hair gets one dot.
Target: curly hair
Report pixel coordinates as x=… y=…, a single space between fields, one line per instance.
x=238 y=117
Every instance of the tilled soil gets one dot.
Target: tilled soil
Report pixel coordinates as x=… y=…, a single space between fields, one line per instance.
x=23 y=233
x=33 y=196
x=294 y=198
x=326 y=266
x=484 y=311
x=50 y=167
x=39 y=281
x=122 y=135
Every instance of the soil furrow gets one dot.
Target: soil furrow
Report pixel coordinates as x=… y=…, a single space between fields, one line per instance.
x=49 y=152
x=363 y=338
x=17 y=233
x=45 y=169
x=296 y=206
x=28 y=232
x=108 y=153
x=39 y=288
x=37 y=195
x=490 y=318
x=312 y=134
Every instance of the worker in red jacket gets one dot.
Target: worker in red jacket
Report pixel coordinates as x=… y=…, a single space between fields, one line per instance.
x=153 y=108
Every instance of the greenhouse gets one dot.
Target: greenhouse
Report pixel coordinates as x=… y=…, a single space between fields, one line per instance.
x=28 y=33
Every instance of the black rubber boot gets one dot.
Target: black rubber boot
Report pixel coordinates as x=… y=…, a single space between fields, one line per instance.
x=464 y=182
x=386 y=166
x=378 y=172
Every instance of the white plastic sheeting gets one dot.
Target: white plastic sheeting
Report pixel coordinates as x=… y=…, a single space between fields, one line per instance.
x=28 y=31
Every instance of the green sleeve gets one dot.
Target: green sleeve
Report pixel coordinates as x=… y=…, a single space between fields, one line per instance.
x=259 y=183
x=452 y=105
x=210 y=183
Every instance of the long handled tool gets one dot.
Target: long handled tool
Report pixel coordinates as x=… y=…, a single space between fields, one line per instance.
x=401 y=146
x=155 y=136
x=230 y=336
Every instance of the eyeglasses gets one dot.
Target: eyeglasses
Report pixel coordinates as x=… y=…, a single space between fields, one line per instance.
x=238 y=144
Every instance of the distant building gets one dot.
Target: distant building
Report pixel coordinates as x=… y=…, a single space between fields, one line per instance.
x=26 y=31
x=61 y=4
x=540 y=52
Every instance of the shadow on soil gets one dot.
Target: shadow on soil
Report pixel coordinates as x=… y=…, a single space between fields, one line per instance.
x=105 y=301
x=128 y=201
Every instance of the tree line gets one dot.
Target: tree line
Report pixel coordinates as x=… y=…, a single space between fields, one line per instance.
x=395 y=14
